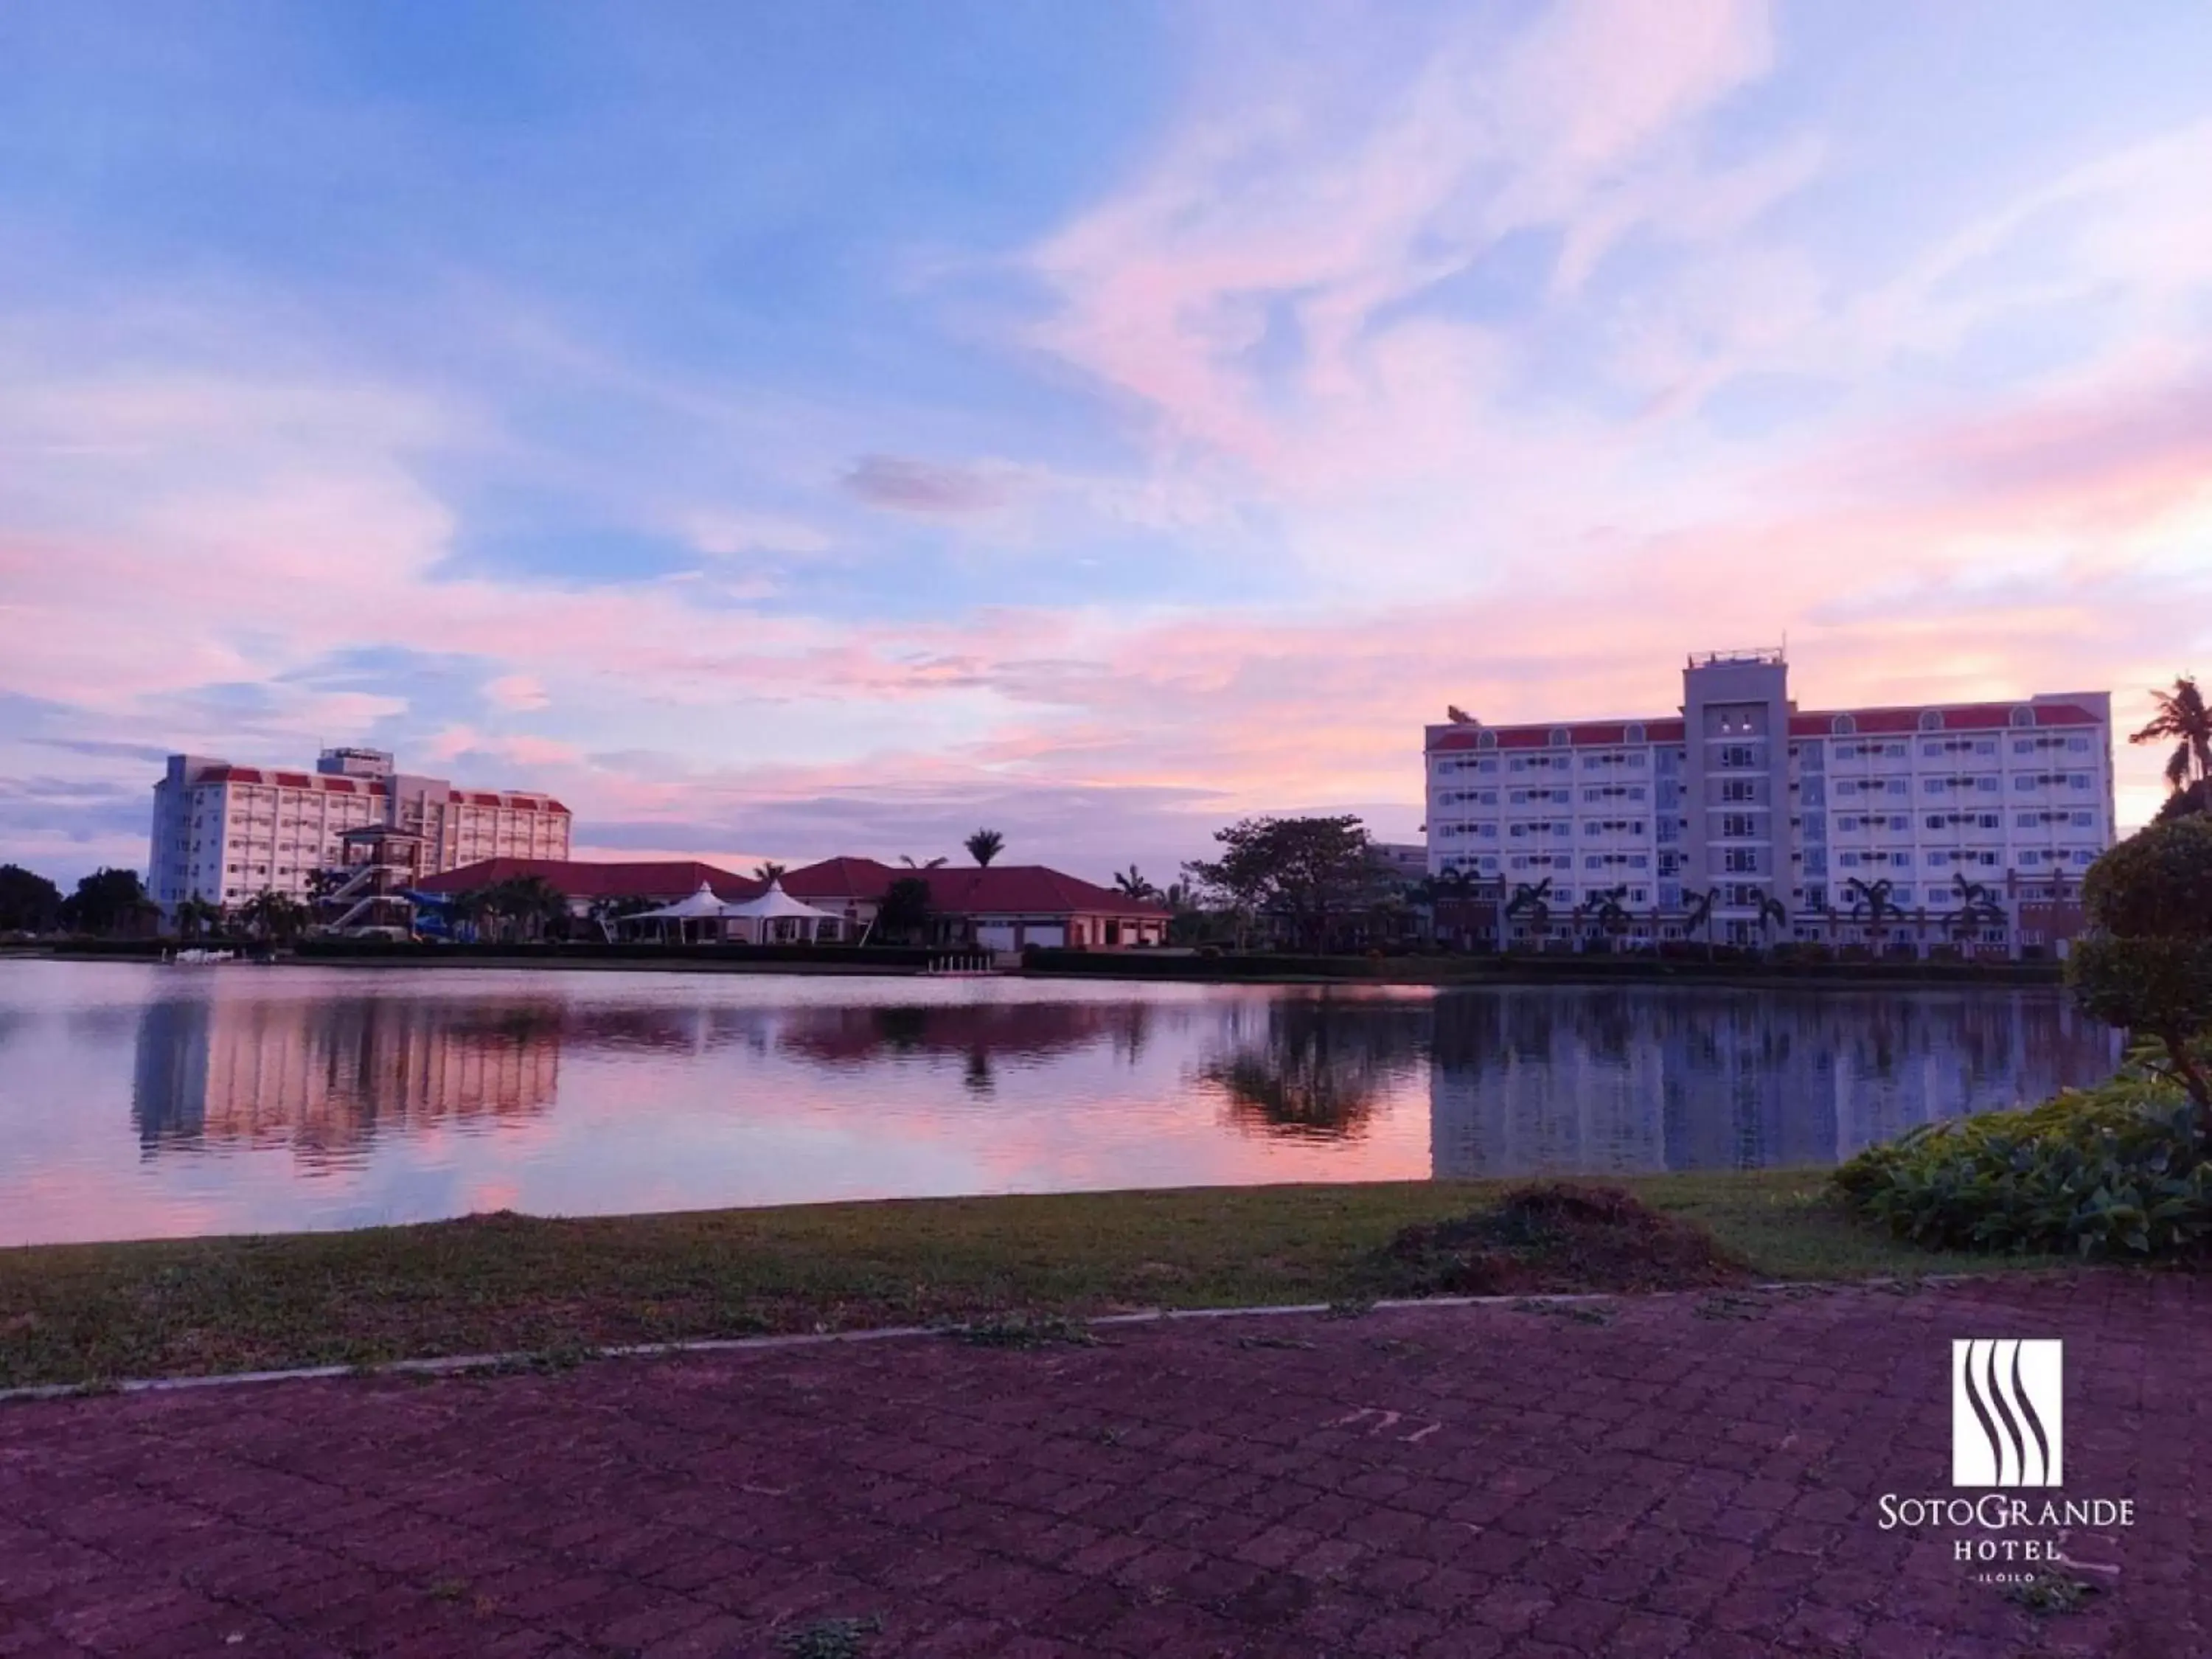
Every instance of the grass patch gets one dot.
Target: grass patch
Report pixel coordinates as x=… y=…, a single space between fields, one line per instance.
x=1026 y=1330
x=1556 y=1237
x=830 y=1638
x=2048 y=1593
x=507 y=1283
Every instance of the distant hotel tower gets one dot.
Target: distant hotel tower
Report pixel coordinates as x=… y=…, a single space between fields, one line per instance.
x=225 y=833
x=1742 y=793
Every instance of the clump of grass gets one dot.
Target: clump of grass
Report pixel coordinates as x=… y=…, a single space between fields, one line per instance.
x=830 y=1638
x=1557 y=1237
x=1729 y=1307
x=1026 y=1330
x=1272 y=1342
x=2051 y=1592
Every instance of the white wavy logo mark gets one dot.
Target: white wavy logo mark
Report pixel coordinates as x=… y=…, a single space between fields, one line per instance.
x=2007 y=1412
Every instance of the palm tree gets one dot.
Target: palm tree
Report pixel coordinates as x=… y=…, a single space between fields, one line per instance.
x=1978 y=907
x=523 y=906
x=984 y=846
x=907 y=859
x=1531 y=901
x=1131 y=884
x=1772 y=913
x=1871 y=903
x=273 y=915
x=195 y=915
x=2182 y=715
x=769 y=870
x=1611 y=915
x=1697 y=915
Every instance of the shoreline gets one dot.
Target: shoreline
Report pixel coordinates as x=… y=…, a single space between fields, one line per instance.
x=82 y=1314
x=1517 y=972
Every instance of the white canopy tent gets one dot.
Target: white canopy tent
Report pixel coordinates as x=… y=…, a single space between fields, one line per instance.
x=776 y=915
x=701 y=909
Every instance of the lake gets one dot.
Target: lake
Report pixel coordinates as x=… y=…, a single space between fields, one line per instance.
x=143 y=1101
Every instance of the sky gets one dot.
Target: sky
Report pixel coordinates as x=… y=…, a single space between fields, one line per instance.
x=782 y=431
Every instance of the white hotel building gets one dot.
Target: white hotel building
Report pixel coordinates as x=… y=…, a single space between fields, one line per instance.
x=225 y=833
x=1743 y=794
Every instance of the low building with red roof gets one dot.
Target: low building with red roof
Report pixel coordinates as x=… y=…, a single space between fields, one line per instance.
x=999 y=908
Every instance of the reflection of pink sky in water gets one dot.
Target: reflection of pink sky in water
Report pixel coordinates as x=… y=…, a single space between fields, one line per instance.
x=138 y=1101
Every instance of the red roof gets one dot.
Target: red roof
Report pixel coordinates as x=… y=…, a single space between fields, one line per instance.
x=1967 y=717
x=1005 y=890
x=841 y=878
x=583 y=878
x=1000 y=890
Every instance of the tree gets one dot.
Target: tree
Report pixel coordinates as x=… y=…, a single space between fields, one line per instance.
x=1304 y=871
x=905 y=910
x=1697 y=915
x=907 y=859
x=1131 y=884
x=1871 y=903
x=2146 y=966
x=30 y=903
x=1611 y=914
x=520 y=907
x=984 y=846
x=271 y=914
x=2182 y=716
x=769 y=871
x=1773 y=914
x=1978 y=907
x=1534 y=902
x=2194 y=798
x=196 y=915
x=105 y=901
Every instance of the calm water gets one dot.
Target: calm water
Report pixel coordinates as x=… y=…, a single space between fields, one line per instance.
x=139 y=1100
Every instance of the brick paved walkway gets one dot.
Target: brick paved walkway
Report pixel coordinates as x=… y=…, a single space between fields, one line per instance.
x=1695 y=1476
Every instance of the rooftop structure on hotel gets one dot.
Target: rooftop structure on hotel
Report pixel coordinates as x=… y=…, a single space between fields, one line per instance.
x=225 y=833
x=1740 y=794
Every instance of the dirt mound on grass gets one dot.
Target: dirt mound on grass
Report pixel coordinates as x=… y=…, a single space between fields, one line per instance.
x=1556 y=1238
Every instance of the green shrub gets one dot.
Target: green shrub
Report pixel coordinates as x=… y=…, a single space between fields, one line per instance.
x=2116 y=1169
x=2148 y=965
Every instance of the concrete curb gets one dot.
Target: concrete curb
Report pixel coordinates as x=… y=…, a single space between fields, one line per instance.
x=450 y=1364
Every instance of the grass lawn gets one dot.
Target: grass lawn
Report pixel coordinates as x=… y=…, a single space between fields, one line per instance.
x=84 y=1313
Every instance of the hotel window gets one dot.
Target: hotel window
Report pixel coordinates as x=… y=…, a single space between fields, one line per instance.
x=1742 y=859
x=1737 y=824
x=1739 y=789
x=1736 y=755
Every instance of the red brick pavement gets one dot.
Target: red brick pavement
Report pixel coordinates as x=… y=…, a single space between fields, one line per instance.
x=1696 y=1476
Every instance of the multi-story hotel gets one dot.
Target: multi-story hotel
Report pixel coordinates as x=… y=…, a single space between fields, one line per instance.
x=1742 y=796
x=224 y=833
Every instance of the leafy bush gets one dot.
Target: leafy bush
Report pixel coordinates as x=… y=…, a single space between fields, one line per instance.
x=2147 y=966
x=2116 y=1169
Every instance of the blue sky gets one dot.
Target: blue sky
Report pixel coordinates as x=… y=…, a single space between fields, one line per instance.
x=782 y=431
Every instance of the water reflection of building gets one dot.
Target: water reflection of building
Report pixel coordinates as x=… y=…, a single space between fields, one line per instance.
x=327 y=1077
x=1615 y=1081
